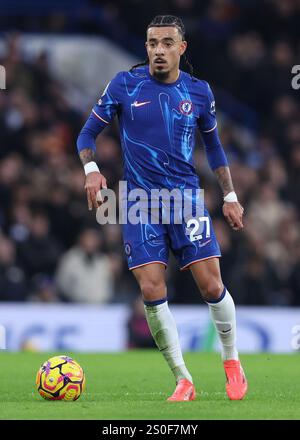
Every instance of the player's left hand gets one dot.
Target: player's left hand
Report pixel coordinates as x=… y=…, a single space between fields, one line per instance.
x=233 y=212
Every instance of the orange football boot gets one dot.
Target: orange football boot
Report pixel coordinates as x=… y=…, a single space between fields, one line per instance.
x=236 y=383
x=185 y=391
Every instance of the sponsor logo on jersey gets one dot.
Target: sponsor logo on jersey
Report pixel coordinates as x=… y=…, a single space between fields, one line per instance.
x=186 y=107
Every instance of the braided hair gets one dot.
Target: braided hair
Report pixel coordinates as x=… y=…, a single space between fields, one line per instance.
x=164 y=21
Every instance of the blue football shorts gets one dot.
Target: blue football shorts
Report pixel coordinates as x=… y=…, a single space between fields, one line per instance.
x=190 y=241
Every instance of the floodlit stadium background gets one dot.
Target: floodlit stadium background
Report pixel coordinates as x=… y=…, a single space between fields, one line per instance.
x=58 y=56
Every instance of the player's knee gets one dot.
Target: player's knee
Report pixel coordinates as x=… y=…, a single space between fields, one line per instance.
x=153 y=290
x=212 y=290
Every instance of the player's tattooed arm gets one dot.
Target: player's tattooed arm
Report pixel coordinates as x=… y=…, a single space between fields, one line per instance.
x=224 y=179
x=86 y=155
x=233 y=211
x=94 y=181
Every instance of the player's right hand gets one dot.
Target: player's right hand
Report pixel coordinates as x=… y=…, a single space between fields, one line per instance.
x=94 y=182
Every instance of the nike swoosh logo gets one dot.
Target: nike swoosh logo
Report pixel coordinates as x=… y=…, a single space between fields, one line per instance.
x=139 y=104
x=205 y=243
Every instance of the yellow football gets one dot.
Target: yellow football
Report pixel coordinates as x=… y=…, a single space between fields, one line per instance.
x=60 y=378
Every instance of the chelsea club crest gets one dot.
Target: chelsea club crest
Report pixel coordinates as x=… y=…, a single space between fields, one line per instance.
x=186 y=107
x=127 y=249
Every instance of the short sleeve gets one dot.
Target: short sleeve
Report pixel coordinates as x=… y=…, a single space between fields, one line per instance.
x=207 y=121
x=110 y=100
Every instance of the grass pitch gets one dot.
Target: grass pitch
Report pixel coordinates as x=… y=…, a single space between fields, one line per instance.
x=135 y=385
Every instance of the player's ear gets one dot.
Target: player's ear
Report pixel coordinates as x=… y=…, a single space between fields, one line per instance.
x=183 y=46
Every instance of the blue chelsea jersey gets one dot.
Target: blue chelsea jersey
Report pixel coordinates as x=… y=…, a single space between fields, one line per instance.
x=158 y=123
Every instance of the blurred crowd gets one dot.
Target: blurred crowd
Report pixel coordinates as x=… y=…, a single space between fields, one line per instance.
x=52 y=249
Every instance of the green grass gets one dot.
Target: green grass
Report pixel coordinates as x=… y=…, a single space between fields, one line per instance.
x=135 y=385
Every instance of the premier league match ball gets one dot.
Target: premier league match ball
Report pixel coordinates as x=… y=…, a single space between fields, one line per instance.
x=60 y=378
